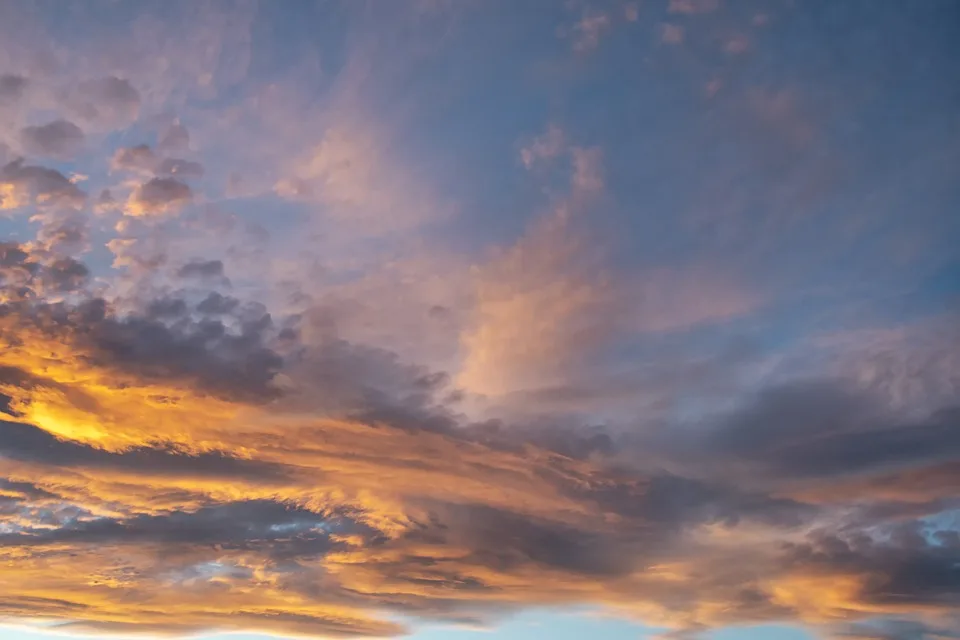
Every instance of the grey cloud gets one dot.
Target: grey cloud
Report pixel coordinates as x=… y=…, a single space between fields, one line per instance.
x=508 y=541
x=676 y=502
x=820 y=430
x=217 y=304
x=65 y=274
x=238 y=365
x=142 y=159
x=233 y=361
x=109 y=100
x=139 y=158
x=11 y=87
x=12 y=254
x=175 y=139
x=161 y=194
x=19 y=270
x=58 y=139
x=202 y=269
x=180 y=168
x=43 y=186
x=63 y=234
x=898 y=629
x=368 y=384
x=261 y=524
x=28 y=443
x=901 y=565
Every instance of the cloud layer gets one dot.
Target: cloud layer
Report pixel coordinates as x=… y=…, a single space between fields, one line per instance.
x=346 y=333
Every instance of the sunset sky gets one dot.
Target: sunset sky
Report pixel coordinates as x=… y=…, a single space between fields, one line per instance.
x=480 y=319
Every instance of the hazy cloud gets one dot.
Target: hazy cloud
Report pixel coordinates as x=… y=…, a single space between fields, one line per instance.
x=57 y=139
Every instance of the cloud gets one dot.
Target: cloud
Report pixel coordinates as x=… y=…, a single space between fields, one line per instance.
x=587 y=32
x=175 y=139
x=671 y=34
x=541 y=305
x=207 y=493
x=546 y=147
x=22 y=185
x=158 y=196
x=139 y=159
x=352 y=172
x=58 y=139
x=12 y=87
x=143 y=160
x=899 y=629
x=300 y=449
x=587 y=169
x=824 y=430
x=691 y=7
x=108 y=101
x=186 y=169
x=202 y=269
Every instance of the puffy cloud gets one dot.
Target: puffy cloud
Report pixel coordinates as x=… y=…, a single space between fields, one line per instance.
x=57 y=139
x=22 y=185
x=158 y=196
x=139 y=159
x=109 y=101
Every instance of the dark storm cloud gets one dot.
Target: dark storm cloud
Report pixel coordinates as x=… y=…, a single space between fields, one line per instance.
x=58 y=139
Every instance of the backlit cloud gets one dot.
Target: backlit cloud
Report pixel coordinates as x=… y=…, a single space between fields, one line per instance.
x=347 y=320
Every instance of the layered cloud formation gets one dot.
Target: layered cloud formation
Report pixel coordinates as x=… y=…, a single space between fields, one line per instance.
x=447 y=311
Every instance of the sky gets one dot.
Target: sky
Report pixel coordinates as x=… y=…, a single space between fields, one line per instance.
x=480 y=319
